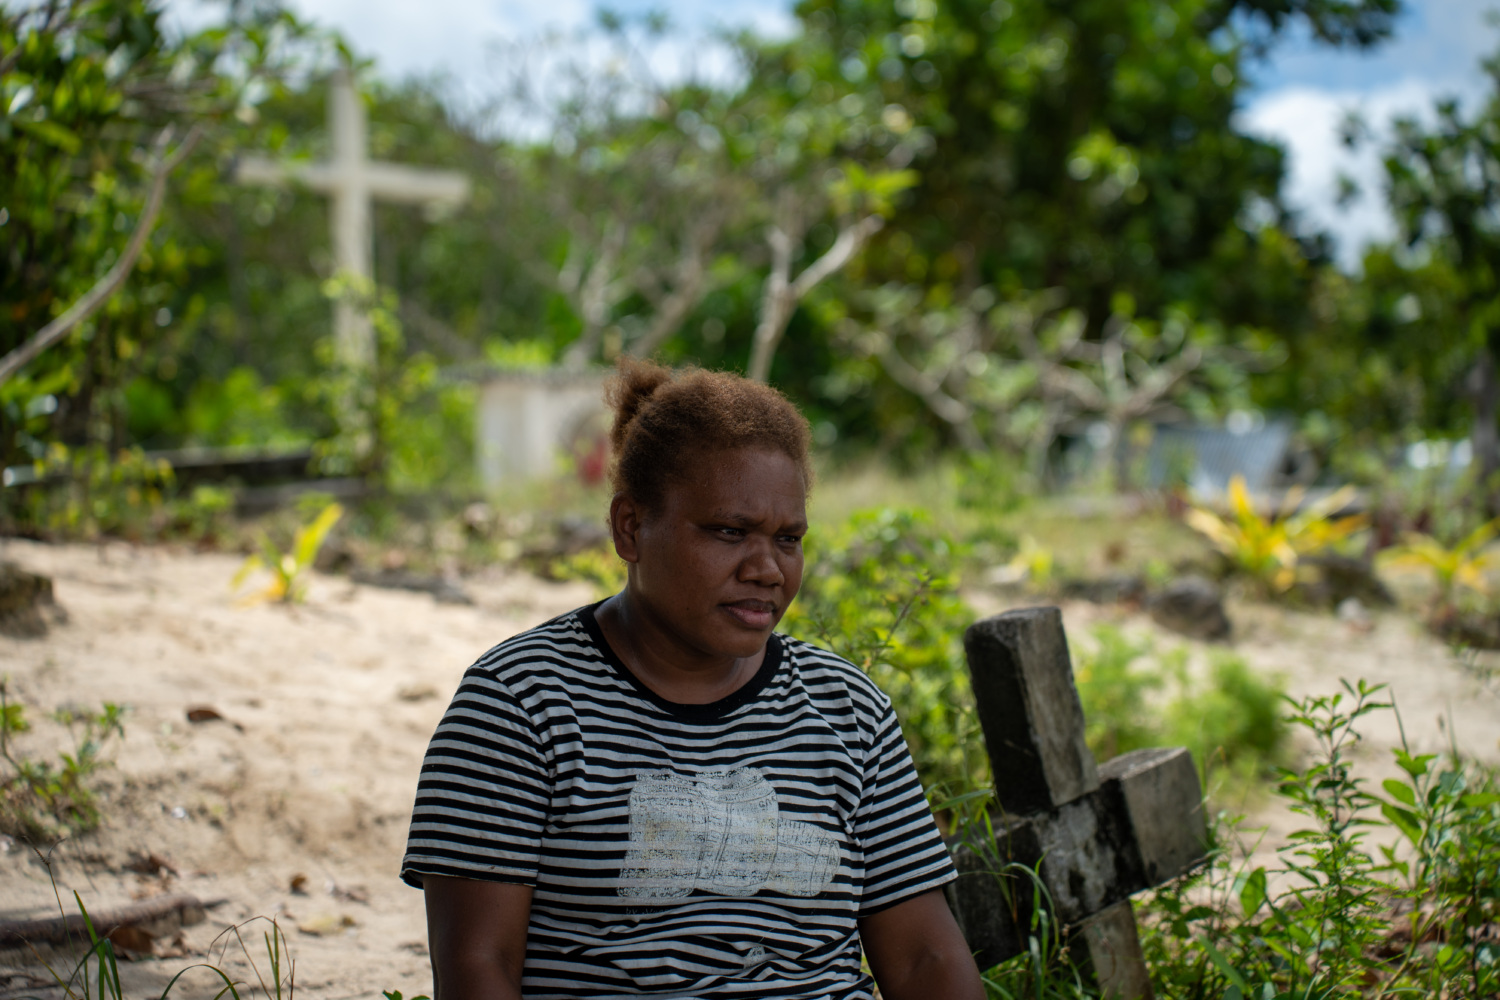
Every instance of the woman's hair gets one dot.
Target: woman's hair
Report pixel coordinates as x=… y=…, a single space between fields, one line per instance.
x=665 y=419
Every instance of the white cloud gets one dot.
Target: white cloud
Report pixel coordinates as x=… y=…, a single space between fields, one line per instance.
x=457 y=37
x=472 y=43
x=1306 y=121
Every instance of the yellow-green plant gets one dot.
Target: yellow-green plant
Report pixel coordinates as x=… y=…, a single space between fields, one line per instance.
x=1460 y=566
x=286 y=568
x=1267 y=548
x=1032 y=564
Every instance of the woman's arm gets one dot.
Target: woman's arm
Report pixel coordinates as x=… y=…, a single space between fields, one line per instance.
x=917 y=952
x=476 y=934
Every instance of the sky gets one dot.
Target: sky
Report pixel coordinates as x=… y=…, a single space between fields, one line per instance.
x=1299 y=96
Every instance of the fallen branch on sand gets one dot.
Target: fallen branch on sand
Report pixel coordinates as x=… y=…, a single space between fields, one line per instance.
x=174 y=911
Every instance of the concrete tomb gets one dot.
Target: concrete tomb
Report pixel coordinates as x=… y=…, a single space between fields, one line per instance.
x=531 y=424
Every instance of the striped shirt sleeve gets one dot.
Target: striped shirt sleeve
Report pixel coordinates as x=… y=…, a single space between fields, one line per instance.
x=904 y=853
x=483 y=795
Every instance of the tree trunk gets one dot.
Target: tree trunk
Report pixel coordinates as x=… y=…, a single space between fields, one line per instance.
x=1486 y=436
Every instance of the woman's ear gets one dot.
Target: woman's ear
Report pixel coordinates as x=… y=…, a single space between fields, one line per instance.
x=624 y=524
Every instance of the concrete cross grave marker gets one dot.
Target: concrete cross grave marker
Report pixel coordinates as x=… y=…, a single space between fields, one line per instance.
x=1095 y=834
x=352 y=181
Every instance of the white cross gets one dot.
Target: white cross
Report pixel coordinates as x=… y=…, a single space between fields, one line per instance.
x=352 y=180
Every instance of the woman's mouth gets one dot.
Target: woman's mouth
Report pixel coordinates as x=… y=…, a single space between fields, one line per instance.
x=755 y=614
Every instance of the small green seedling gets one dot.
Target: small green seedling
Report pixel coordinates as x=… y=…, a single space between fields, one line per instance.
x=287 y=568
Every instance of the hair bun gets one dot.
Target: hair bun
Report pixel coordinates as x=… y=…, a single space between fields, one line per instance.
x=635 y=381
x=666 y=420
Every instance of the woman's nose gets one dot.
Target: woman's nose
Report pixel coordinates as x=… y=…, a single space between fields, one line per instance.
x=761 y=566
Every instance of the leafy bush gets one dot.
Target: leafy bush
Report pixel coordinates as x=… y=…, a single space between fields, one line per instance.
x=1333 y=918
x=203 y=514
x=1115 y=693
x=597 y=565
x=394 y=419
x=881 y=590
x=42 y=800
x=240 y=411
x=1233 y=720
x=84 y=492
x=1230 y=719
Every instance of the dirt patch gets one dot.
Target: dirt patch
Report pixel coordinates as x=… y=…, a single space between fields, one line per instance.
x=306 y=776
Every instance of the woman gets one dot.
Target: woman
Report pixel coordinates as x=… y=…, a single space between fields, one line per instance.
x=658 y=795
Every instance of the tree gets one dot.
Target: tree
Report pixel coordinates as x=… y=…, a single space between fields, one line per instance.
x=1088 y=149
x=1444 y=190
x=94 y=91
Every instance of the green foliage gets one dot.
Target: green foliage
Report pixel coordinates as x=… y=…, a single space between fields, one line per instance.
x=203 y=514
x=1044 y=970
x=396 y=420
x=238 y=411
x=1333 y=919
x=1057 y=183
x=881 y=590
x=286 y=568
x=1448 y=811
x=1232 y=719
x=993 y=483
x=42 y=801
x=598 y=565
x=96 y=975
x=1229 y=719
x=86 y=492
x=1116 y=695
x=85 y=90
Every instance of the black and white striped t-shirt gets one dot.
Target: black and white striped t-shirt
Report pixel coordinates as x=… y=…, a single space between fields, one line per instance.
x=691 y=851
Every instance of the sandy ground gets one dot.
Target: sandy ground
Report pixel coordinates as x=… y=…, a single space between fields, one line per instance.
x=326 y=709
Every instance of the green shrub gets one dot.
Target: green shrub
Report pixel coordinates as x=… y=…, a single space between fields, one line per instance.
x=42 y=801
x=1334 y=918
x=1133 y=699
x=881 y=590
x=1116 y=691
x=1234 y=720
x=597 y=565
x=85 y=492
x=240 y=411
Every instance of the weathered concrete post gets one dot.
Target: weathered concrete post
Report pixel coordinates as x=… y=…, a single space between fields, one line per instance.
x=1095 y=834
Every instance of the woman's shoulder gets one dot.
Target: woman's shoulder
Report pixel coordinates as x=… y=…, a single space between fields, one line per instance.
x=820 y=667
x=558 y=647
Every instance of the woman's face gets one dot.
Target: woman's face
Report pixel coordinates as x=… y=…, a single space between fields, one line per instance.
x=715 y=567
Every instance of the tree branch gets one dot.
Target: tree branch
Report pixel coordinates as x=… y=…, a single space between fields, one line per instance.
x=781 y=296
x=111 y=282
x=846 y=246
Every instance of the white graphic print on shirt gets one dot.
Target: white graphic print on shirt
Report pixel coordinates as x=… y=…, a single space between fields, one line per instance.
x=720 y=832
